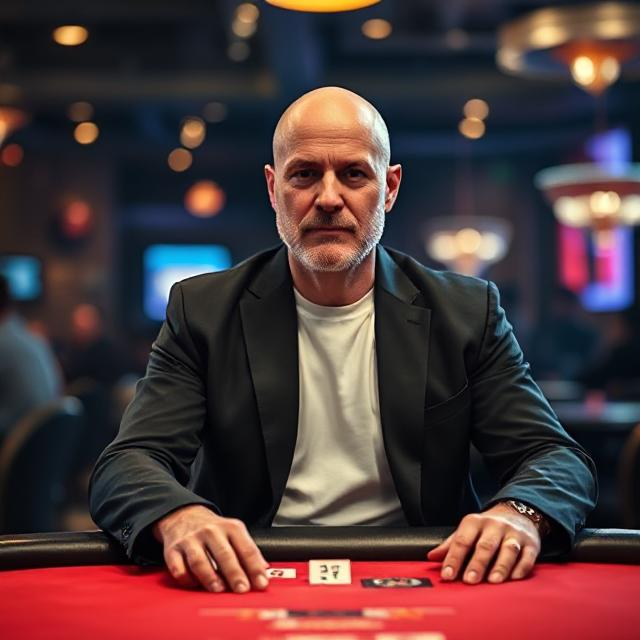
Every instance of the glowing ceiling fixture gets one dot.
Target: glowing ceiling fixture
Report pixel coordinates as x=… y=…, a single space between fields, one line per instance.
x=70 y=35
x=468 y=243
x=593 y=43
x=322 y=6
x=587 y=195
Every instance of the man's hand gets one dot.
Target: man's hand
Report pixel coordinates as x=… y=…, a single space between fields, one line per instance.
x=500 y=536
x=202 y=547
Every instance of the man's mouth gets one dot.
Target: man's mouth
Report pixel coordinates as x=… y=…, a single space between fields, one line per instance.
x=328 y=230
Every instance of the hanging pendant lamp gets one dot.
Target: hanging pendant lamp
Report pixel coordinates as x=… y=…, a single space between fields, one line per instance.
x=593 y=43
x=322 y=6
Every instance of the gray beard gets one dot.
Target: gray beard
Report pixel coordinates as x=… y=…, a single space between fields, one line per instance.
x=313 y=259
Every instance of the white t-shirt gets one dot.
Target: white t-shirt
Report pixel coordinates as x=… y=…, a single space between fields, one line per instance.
x=340 y=474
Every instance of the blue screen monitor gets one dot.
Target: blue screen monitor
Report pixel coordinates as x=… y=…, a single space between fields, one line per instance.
x=24 y=274
x=166 y=264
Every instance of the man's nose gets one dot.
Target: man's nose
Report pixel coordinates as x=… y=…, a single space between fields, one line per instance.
x=329 y=197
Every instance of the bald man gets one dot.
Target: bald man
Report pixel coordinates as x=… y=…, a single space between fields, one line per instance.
x=332 y=381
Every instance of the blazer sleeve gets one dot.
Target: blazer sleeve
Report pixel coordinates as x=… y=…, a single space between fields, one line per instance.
x=521 y=439
x=142 y=475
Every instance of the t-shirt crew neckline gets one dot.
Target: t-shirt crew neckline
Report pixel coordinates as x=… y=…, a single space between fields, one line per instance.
x=322 y=312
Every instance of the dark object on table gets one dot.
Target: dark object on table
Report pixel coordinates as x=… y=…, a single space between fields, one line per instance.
x=35 y=462
x=295 y=544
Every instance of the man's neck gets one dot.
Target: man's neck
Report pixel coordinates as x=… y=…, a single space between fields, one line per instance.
x=334 y=288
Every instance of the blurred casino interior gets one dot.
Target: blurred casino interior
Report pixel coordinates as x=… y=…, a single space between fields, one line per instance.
x=133 y=135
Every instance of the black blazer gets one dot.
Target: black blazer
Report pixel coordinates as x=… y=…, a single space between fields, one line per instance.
x=214 y=420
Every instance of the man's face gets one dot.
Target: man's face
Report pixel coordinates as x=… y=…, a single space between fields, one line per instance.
x=329 y=190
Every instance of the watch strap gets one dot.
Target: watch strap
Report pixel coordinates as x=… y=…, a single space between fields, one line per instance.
x=541 y=523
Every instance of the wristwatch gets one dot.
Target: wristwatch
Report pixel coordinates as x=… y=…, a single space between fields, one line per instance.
x=541 y=523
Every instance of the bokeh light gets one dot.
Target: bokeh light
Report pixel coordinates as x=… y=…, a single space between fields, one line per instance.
x=86 y=133
x=192 y=132
x=180 y=160
x=377 y=29
x=70 y=35
x=12 y=155
x=476 y=108
x=472 y=128
x=80 y=111
x=214 y=112
x=204 y=199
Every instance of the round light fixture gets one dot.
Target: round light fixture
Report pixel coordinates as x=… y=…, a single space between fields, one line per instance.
x=322 y=6
x=467 y=244
x=70 y=35
x=585 y=195
x=591 y=42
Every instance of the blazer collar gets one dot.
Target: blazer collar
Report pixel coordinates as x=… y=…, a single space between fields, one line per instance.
x=270 y=327
x=402 y=337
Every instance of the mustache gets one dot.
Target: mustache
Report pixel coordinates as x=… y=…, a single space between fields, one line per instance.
x=327 y=221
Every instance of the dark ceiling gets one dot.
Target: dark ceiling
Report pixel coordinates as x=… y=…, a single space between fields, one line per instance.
x=149 y=63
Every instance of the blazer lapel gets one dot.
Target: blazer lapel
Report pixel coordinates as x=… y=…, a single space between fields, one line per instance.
x=402 y=335
x=270 y=327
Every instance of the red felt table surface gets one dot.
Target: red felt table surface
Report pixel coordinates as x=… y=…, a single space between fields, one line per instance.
x=120 y=602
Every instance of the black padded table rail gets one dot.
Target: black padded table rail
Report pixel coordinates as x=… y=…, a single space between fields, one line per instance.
x=57 y=549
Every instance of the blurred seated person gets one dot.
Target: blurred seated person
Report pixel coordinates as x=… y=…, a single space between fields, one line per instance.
x=92 y=354
x=29 y=373
x=94 y=364
x=565 y=341
x=616 y=369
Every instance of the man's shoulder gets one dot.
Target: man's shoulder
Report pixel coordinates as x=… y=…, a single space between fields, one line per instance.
x=239 y=275
x=433 y=282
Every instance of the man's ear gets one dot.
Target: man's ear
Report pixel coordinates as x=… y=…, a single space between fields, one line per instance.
x=394 y=176
x=270 y=176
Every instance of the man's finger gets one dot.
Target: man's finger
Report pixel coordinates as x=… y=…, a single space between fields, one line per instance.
x=437 y=553
x=485 y=550
x=178 y=569
x=462 y=541
x=228 y=564
x=250 y=557
x=506 y=560
x=526 y=563
x=199 y=563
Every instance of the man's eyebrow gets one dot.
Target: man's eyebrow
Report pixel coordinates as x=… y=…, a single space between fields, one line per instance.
x=300 y=160
x=347 y=162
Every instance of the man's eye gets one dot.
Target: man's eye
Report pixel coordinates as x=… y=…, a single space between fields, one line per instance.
x=355 y=174
x=303 y=174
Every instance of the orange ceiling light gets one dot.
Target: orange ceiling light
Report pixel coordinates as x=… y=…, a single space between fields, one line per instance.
x=70 y=35
x=11 y=118
x=592 y=43
x=322 y=6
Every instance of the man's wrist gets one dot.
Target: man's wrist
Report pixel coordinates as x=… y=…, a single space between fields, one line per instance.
x=539 y=520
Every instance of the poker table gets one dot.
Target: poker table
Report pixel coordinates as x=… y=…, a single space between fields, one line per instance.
x=80 y=585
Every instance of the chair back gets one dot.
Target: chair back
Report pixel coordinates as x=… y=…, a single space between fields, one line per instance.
x=629 y=479
x=35 y=462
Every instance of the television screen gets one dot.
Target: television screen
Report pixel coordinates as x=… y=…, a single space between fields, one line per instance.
x=24 y=274
x=165 y=264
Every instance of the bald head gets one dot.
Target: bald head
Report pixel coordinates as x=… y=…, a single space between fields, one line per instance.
x=336 y=111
